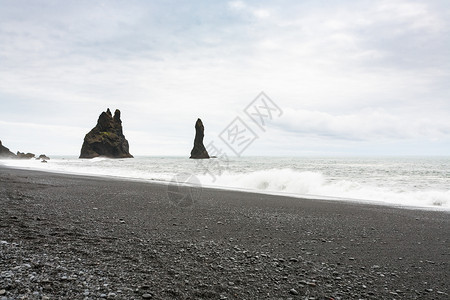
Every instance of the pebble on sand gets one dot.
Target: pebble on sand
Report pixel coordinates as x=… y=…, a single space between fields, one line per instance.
x=293 y=292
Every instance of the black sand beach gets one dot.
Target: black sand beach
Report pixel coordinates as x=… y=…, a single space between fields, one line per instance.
x=77 y=237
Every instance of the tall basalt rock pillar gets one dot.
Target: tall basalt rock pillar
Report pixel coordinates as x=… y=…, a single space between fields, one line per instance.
x=199 y=150
x=106 y=138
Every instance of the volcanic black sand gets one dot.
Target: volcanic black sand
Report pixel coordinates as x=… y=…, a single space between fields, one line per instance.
x=77 y=237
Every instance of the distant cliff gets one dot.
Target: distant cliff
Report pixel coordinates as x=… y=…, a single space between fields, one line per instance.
x=5 y=153
x=199 y=150
x=106 y=138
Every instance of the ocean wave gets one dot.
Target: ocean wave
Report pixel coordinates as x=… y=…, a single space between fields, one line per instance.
x=97 y=159
x=316 y=184
x=280 y=181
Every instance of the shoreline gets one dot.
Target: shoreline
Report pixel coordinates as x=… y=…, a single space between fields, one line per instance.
x=83 y=237
x=243 y=190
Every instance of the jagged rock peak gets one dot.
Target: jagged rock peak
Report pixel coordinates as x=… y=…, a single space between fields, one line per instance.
x=106 y=138
x=199 y=150
x=117 y=116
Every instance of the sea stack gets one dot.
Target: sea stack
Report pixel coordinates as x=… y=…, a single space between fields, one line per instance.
x=106 y=138
x=23 y=155
x=199 y=150
x=5 y=153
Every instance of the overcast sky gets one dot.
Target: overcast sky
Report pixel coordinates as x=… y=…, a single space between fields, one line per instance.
x=351 y=77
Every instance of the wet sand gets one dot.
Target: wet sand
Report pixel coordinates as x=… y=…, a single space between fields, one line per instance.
x=79 y=237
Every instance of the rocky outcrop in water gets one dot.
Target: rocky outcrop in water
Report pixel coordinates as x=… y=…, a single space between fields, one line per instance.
x=199 y=150
x=5 y=153
x=106 y=138
x=43 y=157
x=23 y=155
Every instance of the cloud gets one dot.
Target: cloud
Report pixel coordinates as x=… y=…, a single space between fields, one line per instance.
x=366 y=125
x=331 y=67
x=41 y=138
x=242 y=7
x=238 y=5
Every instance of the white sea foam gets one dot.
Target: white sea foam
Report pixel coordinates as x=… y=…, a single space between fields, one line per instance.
x=411 y=182
x=304 y=184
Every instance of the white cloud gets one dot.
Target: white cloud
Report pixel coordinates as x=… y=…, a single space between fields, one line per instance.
x=261 y=13
x=257 y=12
x=334 y=66
x=366 y=125
x=40 y=138
x=238 y=5
x=414 y=15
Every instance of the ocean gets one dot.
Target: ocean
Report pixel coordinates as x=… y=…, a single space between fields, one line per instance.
x=409 y=182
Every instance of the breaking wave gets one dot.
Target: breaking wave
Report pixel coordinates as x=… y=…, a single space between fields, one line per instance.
x=413 y=183
x=317 y=185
